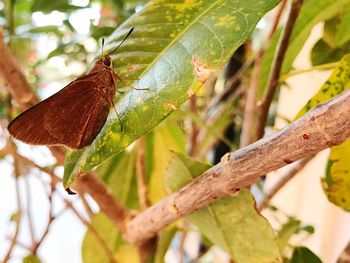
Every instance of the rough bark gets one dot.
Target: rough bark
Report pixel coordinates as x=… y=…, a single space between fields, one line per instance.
x=326 y=125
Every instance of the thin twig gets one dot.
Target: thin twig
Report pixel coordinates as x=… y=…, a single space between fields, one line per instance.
x=293 y=171
x=238 y=93
x=29 y=162
x=230 y=87
x=29 y=209
x=86 y=205
x=276 y=67
x=50 y=220
x=320 y=128
x=326 y=66
x=19 y=243
x=192 y=151
x=94 y=186
x=193 y=134
x=99 y=239
x=18 y=215
x=141 y=174
x=247 y=135
x=250 y=105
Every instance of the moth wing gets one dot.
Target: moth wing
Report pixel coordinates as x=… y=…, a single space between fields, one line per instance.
x=72 y=117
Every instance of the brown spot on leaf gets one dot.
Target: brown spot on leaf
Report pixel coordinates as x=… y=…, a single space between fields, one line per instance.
x=202 y=70
x=131 y=68
x=171 y=105
x=190 y=93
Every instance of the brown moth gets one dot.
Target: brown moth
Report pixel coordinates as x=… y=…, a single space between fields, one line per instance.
x=76 y=114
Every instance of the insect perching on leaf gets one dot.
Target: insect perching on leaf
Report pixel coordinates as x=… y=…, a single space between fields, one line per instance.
x=75 y=115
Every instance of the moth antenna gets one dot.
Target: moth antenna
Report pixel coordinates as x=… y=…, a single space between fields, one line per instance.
x=103 y=44
x=127 y=35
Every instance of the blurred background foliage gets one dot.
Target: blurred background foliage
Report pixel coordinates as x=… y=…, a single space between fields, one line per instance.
x=57 y=41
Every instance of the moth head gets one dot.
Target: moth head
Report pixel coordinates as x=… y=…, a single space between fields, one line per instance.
x=107 y=61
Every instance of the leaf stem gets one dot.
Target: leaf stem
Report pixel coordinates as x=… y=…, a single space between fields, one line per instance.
x=99 y=239
x=249 y=121
x=318 y=67
x=19 y=213
x=276 y=67
x=140 y=174
x=293 y=171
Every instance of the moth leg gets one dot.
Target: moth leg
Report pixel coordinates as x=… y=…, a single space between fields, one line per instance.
x=110 y=101
x=115 y=75
x=120 y=120
x=118 y=116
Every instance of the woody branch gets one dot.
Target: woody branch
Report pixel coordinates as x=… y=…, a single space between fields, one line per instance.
x=326 y=125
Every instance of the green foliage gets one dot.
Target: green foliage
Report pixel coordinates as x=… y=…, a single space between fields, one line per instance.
x=291 y=227
x=174 y=47
x=164 y=242
x=336 y=183
x=312 y=12
x=336 y=84
x=164 y=54
x=304 y=255
x=166 y=138
x=48 y=6
x=103 y=236
x=31 y=259
x=335 y=42
x=119 y=175
x=323 y=53
x=232 y=222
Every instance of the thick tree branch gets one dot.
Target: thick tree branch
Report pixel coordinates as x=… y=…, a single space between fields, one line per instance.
x=326 y=125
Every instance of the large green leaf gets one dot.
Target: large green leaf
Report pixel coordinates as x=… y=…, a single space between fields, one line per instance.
x=343 y=30
x=331 y=47
x=337 y=181
x=120 y=175
x=336 y=84
x=232 y=222
x=174 y=48
x=322 y=53
x=166 y=138
x=311 y=13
